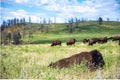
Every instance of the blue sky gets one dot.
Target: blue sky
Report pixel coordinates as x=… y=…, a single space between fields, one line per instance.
x=61 y=9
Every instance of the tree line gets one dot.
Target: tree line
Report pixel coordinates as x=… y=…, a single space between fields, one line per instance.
x=12 y=22
x=10 y=31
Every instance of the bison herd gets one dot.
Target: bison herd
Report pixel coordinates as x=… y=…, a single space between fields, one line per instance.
x=92 y=59
x=90 y=41
x=69 y=42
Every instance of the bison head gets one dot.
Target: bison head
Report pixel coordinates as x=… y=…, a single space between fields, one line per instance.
x=97 y=59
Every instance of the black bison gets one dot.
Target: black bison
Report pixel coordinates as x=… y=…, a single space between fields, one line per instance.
x=92 y=59
x=115 y=38
x=90 y=41
x=93 y=41
x=71 y=41
x=85 y=40
x=56 y=42
x=102 y=40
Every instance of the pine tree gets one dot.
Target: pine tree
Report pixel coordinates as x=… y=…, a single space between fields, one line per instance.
x=15 y=21
x=100 y=21
x=71 y=25
x=16 y=37
x=76 y=22
x=9 y=37
x=8 y=23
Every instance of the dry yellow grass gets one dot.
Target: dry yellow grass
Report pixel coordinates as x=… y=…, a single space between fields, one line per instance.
x=31 y=61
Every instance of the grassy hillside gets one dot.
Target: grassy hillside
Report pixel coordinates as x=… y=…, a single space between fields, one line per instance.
x=83 y=27
x=84 y=30
x=30 y=61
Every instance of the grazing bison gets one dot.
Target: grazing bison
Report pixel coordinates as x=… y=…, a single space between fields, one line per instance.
x=85 y=40
x=115 y=38
x=92 y=59
x=56 y=42
x=71 y=41
x=103 y=40
x=93 y=41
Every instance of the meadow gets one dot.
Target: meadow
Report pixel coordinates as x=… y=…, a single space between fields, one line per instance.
x=30 y=61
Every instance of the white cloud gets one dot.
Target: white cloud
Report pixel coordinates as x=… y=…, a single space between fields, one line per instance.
x=63 y=9
x=41 y=2
x=21 y=1
x=90 y=9
x=60 y=20
x=35 y=19
x=19 y=13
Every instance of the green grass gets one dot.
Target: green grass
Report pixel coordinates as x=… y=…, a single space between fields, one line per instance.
x=30 y=61
x=33 y=63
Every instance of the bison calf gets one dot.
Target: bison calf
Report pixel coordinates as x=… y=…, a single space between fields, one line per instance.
x=92 y=59
x=56 y=42
x=71 y=41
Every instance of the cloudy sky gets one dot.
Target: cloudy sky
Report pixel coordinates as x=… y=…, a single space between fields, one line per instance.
x=61 y=9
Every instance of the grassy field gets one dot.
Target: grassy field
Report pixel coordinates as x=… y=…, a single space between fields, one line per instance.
x=30 y=61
